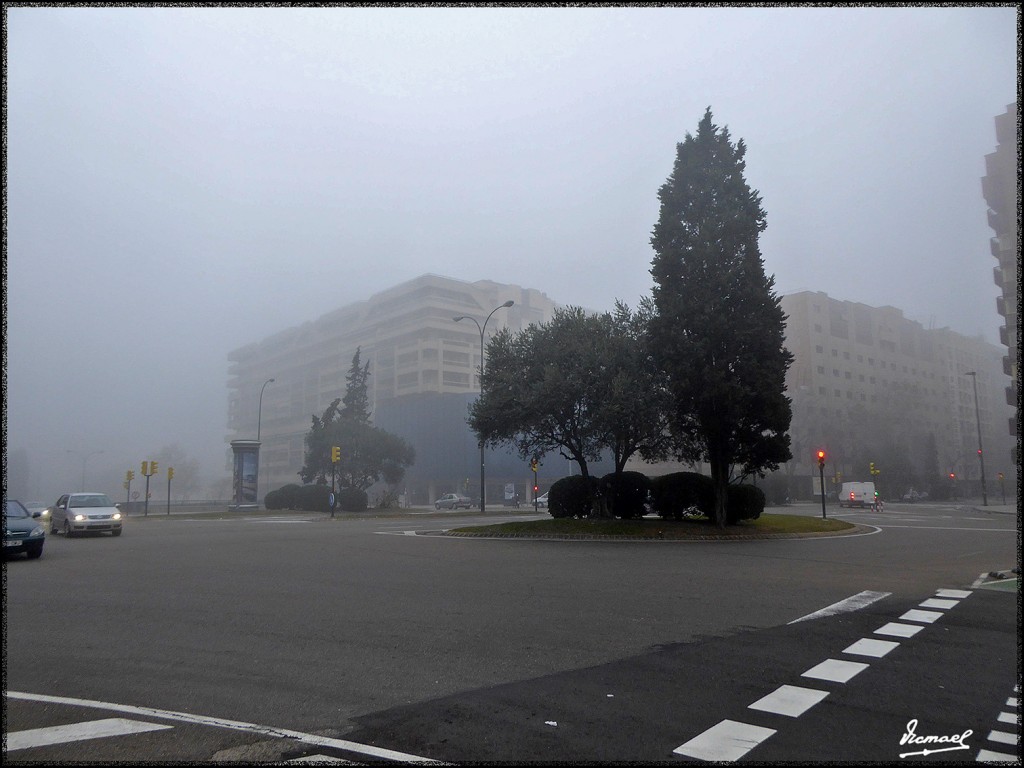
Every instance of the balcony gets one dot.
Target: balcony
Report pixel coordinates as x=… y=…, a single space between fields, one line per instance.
x=1004 y=336
x=997 y=274
x=1007 y=367
x=994 y=221
x=1001 y=306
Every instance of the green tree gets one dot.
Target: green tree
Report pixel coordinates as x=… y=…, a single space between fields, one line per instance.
x=368 y=454
x=719 y=329
x=579 y=385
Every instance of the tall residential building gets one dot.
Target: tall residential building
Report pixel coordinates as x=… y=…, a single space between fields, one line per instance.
x=423 y=376
x=999 y=186
x=869 y=385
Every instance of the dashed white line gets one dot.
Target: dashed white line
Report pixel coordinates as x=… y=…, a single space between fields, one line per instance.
x=869 y=647
x=789 y=700
x=836 y=670
x=895 y=629
x=854 y=603
x=729 y=740
x=926 y=617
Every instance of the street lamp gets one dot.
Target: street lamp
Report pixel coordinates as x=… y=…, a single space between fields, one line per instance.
x=977 y=421
x=259 y=423
x=85 y=458
x=508 y=303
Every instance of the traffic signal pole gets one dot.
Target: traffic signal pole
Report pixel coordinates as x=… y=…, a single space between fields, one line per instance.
x=821 y=472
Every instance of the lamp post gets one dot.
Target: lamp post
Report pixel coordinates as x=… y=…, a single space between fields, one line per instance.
x=259 y=423
x=482 y=328
x=977 y=421
x=85 y=458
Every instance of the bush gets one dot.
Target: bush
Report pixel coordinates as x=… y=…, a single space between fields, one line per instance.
x=352 y=500
x=628 y=492
x=743 y=502
x=273 y=500
x=683 y=493
x=572 y=496
x=313 y=498
x=285 y=497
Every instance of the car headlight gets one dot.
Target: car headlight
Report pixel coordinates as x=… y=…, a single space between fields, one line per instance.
x=37 y=531
x=116 y=515
x=79 y=517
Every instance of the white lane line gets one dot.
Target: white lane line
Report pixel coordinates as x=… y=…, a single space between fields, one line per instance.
x=959 y=594
x=898 y=630
x=1001 y=737
x=854 y=603
x=789 y=700
x=987 y=756
x=868 y=647
x=836 y=670
x=1007 y=717
x=62 y=734
x=216 y=722
x=934 y=602
x=318 y=759
x=727 y=741
x=926 y=617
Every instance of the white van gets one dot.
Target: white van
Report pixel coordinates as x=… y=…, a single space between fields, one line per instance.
x=857 y=495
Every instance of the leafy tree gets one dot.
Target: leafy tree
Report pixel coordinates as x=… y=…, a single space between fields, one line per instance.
x=368 y=454
x=719 y=328
x=186 y=471
x=576 y=385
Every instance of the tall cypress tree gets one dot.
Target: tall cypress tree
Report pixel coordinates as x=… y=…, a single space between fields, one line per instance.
x=719 y=327
x=357 y=399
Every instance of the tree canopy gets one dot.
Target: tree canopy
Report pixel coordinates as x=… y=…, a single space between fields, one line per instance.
x=718 y=329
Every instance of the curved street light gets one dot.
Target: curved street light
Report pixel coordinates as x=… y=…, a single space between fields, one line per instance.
x=482 y=328
x=259 y=423
x=85 y=458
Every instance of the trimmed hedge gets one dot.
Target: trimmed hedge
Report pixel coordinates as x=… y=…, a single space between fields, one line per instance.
x=351 y=500
x=285 y=497
x=572 y=496
x=682 y=493
x=743 y=502
x=628 y=492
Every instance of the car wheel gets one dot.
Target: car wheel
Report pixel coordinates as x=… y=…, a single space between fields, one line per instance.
x=53 y=527
x=34 y=552
x=67 y=530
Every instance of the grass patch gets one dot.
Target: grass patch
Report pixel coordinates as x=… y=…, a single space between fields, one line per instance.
x=656 y=528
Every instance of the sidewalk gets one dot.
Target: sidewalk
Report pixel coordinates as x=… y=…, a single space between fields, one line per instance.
x=996 y=509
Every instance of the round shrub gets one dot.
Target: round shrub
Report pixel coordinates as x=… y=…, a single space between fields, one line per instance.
x=683 y=493
x=273 y=500
x=351 y=500
x=313 y=498
x=743 y=502
x=628 y=492
x=572 y=496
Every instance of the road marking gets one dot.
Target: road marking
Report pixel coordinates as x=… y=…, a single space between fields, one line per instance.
x=957 y=593
x=318 y=759
x=1007 y=717
x=987 y=756
x=216 y=722
x=836 y=670
x=62 y=734
x=789 y=700
x=933 y=602
x=727 y=741
x=1000 y=737
x=869 y=647
x=926 y=617
x=854 y=603
x=898 y=630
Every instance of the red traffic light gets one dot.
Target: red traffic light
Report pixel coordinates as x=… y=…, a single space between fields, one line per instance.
x=821 y=458
x=952 y=476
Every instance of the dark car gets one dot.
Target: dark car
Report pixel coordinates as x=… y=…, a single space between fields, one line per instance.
x=22 y=531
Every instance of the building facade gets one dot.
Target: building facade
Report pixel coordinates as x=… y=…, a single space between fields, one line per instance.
x=870 y=386
x=423 y=376
x=999 y=186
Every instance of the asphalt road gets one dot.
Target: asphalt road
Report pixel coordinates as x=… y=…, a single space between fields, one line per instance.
x=302 y=635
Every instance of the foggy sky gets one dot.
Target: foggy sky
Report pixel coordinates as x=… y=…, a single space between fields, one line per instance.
x=184 y=181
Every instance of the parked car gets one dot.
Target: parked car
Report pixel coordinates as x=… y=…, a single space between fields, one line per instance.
x=542 y=500
x=22 y=531
x=76 y=513
x=453 y=501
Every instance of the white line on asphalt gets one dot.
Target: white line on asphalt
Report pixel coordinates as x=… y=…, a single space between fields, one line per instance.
x=789 y=700
x=934 y=602
x=959 y=594
x=216 y=722
x=62 y=734
x=1001 y=737
x=898 y=630
x=728 y=741
x=853 y=603
x=836 y=670
x=927 y=617
x=869 y=647
x=988 y=756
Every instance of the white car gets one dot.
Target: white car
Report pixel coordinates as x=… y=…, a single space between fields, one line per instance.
x=453 y=501
x=76 y=513
x=542 y=500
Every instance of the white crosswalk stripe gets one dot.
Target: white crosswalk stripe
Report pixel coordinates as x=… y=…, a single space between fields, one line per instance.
x=94 y=729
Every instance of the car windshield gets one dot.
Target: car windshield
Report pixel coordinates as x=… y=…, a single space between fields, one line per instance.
x=14 y=509
x=90 y=500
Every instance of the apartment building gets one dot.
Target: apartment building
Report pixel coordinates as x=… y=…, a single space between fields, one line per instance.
x=423 y=376
x=999 y=187
x=869 y=385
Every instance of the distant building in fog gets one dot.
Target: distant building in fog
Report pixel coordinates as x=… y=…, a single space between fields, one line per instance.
x=423 y=376
x=999 y=186
x=869 y=385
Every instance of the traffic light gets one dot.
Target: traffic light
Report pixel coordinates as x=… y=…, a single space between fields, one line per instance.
x=335 y=454
x=952 y=476
x=821 y=458
x=533 y=465
x=152 y=467
x=170 y=472
x=535 y=489
x=130 y=475
x=145 y=467
x=871 y=467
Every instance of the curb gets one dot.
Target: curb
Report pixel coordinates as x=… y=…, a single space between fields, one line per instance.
x=856 y=530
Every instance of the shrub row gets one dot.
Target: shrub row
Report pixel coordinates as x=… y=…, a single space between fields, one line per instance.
x=632 y=494
x=315 y=498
